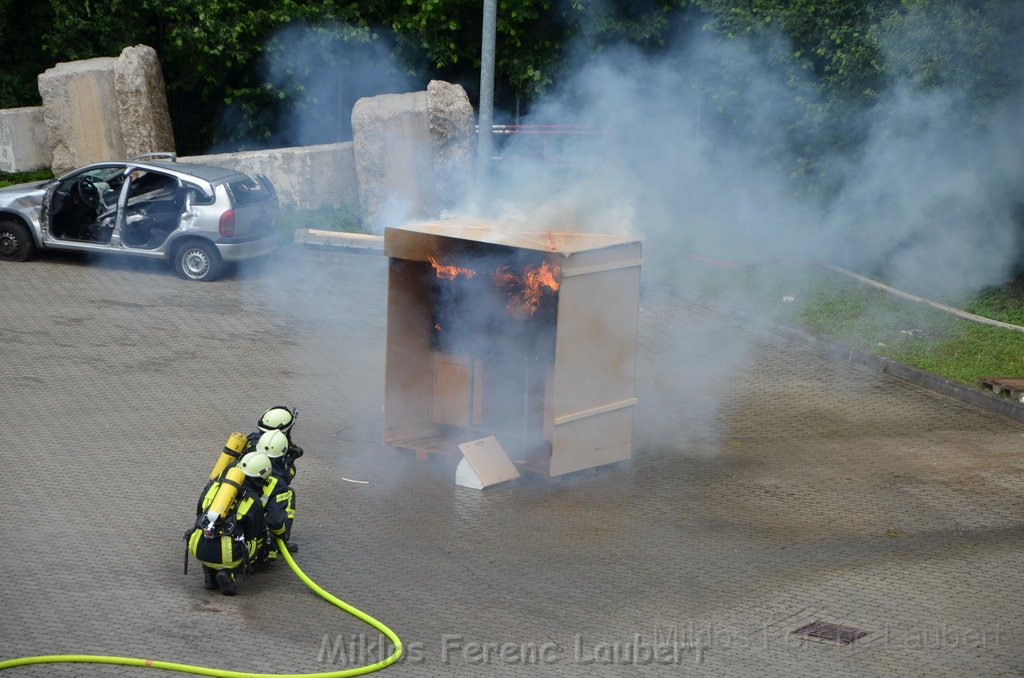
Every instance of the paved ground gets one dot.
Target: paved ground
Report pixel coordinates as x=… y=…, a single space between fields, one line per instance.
x=770 y=488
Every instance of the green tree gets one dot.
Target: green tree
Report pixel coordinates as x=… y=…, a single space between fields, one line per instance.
x=829 y=62
x=852 y=52
x=442 y=38
x=236 y=74
x=231 y=80
x=21 y=60
x=970 y=49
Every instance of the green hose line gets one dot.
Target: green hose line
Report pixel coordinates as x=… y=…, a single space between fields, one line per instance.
x=224 y=673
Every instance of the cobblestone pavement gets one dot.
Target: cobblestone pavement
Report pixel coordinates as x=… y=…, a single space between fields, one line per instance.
x=770 y=488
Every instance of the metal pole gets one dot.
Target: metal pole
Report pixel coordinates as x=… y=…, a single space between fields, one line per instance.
x=486 y=117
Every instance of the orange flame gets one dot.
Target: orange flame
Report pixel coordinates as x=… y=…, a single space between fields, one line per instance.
x=524 y=293
x=449 y=272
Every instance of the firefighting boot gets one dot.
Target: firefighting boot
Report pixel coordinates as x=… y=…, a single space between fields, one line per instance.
x=292 y=546
x=226 y=581
x=209 y=578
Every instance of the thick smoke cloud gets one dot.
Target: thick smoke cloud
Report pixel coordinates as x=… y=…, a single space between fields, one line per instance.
x=321 y=72
x=690 y=154
x=696 y=149
x=927 y=205
x=693 y=158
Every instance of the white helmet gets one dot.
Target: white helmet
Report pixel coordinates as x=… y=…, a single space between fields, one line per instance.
x=278 y=418
x=273 y=443
x=255 y=465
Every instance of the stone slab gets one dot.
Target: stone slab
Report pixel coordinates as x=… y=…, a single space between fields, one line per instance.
x=81 y=113
x=142 y=102
x=312 y=237
x=23 y=145
x=413 y=153
x=105 y=108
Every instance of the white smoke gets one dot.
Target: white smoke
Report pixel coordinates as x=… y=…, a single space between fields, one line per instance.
x=689 y=150
x=323 y=71
x=693 y=157
x=928 y=200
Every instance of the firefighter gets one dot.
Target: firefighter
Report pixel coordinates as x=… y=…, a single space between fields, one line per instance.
x=278 y=511
x=279 y=418
x=230 y=534
x=274 y=444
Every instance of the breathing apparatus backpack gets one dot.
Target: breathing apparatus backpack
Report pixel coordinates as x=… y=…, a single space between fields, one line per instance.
x=231 y=453
x=227 y=536
x=230 y=482
x=217 y=517
x=218 y=506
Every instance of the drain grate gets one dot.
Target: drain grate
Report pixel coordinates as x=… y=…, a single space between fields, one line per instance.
x=844 y=635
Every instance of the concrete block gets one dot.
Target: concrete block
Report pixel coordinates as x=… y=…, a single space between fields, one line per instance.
x=306 y=177
x=81 y=113
x=23 y=145
x=105 y=108
x=391 y=137
x=413 y=152
x=142 y=101
x=453 y=140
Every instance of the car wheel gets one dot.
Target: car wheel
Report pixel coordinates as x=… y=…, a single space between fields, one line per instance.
x=16 y=242
x=197 y=260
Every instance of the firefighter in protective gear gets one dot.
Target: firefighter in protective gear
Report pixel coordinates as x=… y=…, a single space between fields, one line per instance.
x=279 y=418
x=274 y=444
x=238 y=540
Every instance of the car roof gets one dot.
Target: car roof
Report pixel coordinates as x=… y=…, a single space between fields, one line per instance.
x=209 y=173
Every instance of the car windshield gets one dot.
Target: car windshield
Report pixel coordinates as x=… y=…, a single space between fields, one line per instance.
x=105 y=174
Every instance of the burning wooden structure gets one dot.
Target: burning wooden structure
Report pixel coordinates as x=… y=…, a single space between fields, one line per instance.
x=529 y=337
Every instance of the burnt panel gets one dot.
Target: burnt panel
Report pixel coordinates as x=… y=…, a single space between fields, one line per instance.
x=474 y=316
x=534 y=344
x=494 y=313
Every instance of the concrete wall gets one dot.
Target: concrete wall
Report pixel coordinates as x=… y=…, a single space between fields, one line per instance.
x=306 y=177
x=23 y=145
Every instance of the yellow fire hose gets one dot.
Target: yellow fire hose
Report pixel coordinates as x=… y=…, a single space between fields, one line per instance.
x=223 y=673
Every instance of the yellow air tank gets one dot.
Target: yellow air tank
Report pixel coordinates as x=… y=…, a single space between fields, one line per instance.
x=218 y=509
x=232 y=452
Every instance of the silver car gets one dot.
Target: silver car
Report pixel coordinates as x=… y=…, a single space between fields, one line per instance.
x=195 y=216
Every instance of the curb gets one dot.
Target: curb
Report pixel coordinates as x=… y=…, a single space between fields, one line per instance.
x=991 y=402
x=857 y=356
x=312 y=237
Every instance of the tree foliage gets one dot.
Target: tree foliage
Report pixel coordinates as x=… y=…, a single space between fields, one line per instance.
x=239 y=72
x=21 y=61
x=973 y=49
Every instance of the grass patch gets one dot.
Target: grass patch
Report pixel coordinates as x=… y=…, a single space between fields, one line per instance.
x=828 y=303
x=1004 y=303
x=346 y=219
x=12 y=178
x=920 y=335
